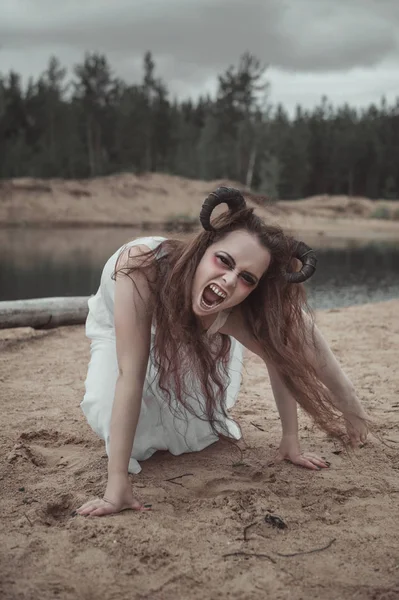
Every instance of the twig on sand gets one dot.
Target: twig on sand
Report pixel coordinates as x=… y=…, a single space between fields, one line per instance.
x=257 y=426
x=28 y=519
x=172 y=479
x=250 y=554
x=330 y=543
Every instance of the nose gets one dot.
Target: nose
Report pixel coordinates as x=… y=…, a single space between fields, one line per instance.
x=230 y=278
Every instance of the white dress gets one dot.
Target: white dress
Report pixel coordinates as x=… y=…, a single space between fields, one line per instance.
x=159 y=427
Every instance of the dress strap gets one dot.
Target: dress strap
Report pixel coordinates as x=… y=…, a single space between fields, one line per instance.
x=218 y=322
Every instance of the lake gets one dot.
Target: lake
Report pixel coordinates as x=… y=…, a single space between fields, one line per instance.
x=36 y=263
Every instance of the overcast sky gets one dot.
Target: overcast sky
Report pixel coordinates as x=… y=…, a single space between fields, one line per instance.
x=345 y=49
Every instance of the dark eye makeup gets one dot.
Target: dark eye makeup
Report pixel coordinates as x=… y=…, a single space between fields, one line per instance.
x=224 y=259
x=229 y=262
x=248 y=279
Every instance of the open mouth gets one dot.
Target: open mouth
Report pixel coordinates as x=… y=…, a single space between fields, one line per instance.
x=212 y=296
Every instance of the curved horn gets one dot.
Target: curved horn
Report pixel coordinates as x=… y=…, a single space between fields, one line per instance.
x=232 y=197
x=308 y=258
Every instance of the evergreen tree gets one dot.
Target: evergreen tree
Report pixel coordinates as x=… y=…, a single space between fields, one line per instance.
x=97 y=124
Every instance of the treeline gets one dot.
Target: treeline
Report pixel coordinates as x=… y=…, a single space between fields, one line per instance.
x=96 y=124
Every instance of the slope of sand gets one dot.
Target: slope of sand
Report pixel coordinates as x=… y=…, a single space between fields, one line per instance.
x=151 y=200
x=52 y=462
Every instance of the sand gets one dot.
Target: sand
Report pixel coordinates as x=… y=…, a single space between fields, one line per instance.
x=343 y=522
x=155 y=199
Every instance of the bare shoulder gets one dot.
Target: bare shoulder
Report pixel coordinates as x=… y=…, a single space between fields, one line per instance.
x=134 y=256
x=237 y=328
x=135 y=273
x=133 y=308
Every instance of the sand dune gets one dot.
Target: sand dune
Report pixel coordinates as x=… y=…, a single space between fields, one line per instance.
x=154 y=199
x=342 y=524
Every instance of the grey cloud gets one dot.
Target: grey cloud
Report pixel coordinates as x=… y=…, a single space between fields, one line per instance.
x=193 y=40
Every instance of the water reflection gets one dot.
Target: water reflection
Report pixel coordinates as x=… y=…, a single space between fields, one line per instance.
x=68 y=263
x=355 y=275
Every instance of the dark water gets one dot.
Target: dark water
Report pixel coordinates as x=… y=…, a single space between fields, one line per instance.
x=30 y=267
x=355 y=275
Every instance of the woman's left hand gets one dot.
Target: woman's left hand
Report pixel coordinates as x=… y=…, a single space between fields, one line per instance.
x=289 y=450
x=357 y=429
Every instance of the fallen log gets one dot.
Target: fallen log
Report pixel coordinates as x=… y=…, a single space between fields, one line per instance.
x=43 y=313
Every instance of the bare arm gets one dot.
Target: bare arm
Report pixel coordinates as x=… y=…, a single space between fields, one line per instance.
x=286 y=404
x=132 y=319
x=331 y=374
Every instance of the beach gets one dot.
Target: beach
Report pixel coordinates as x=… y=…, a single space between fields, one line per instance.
x=211 y=532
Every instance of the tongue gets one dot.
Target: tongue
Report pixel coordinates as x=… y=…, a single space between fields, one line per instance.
x=210 y=297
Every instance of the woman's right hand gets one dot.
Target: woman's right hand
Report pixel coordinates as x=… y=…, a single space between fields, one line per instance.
x=118 y=496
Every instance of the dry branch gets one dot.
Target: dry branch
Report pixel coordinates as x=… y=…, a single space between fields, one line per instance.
x=43 y=313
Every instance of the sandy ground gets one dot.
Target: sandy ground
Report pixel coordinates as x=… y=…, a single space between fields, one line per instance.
x=184 y=548
x=151 y=200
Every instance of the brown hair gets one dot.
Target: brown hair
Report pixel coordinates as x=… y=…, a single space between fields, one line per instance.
x=276 y=314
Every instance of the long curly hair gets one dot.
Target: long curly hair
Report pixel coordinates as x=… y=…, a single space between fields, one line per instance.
x=276 y=314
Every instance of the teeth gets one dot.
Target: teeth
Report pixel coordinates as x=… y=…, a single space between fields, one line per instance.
x=204 y=304
x=217 y=291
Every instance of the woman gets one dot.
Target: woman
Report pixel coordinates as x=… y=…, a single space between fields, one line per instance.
x=167 y=329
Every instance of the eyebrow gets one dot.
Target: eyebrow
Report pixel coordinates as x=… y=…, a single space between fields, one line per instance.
x=234 y=264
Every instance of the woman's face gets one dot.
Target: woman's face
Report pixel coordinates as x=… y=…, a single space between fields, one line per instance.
x=228 y=272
